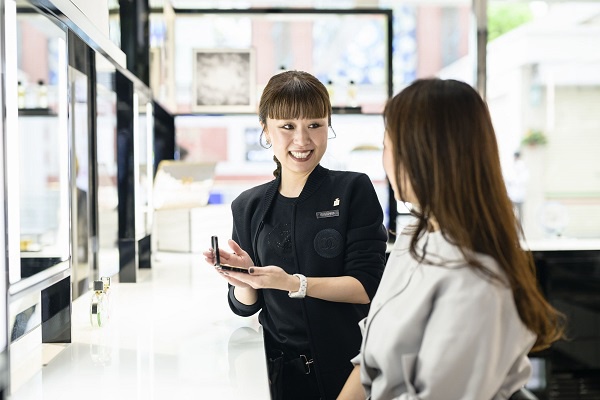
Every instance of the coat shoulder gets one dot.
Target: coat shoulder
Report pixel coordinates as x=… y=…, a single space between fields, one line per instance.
x=252 y=194
x=349 y=178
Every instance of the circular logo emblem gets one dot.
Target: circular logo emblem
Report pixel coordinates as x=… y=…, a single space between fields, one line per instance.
x=328 y=243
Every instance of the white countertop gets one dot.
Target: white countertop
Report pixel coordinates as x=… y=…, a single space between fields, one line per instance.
x=171 y=336
x=562 y=244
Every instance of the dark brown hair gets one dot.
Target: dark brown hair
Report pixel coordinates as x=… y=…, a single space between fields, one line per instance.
x=293 y=95
x=443 y=140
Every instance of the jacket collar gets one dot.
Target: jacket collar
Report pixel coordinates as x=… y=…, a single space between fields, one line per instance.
x=312 y=184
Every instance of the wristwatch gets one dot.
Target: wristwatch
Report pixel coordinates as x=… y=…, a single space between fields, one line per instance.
x=301 y=293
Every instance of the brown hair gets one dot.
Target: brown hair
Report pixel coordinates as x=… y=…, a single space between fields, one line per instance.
x=292 y=95
x=443 y=140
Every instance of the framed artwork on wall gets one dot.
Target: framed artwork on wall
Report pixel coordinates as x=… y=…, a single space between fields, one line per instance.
x=224 y=81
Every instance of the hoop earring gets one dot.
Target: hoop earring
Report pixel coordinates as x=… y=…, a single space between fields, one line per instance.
x=267 y=144
x=332 y=134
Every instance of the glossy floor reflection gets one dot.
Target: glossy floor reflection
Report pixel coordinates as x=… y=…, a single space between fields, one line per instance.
x=170 y=336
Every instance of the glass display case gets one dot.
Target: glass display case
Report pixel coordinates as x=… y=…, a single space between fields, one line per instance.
x=81 y=168
x=60 y=173
x=83 y=187
x=38 y=195
x=43 y=142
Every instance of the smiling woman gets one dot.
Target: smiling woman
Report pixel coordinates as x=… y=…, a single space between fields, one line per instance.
x=314 y=244
x=298 y=145
x=304 y=101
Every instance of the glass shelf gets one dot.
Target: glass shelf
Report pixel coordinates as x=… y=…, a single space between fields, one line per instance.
x=43 y=143
x=37 y=112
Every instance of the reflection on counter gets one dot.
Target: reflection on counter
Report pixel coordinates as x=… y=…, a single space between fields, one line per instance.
x=569 y=275
x=171 y=335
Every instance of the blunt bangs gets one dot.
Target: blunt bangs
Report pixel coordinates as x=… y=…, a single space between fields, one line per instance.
x=300 y=100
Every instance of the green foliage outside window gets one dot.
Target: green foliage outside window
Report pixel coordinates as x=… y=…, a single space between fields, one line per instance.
x=534 y=137
x=505 y=17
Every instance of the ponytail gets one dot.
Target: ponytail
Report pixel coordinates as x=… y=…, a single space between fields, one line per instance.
x=277 y=172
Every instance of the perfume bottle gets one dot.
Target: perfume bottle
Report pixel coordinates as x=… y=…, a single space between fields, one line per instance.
x=352 y=90
x=21 y=95
x=98 y=310
x=106 y=284
x=107 y=294
x=42 y=94
x=331 y=91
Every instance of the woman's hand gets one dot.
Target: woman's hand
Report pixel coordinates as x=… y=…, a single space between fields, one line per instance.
x=239 y=258
x=342 y=289
x=269 y=277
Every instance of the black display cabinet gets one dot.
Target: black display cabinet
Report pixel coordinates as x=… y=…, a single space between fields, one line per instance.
x=570 y=280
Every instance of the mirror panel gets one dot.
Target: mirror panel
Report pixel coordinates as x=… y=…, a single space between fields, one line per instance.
x=43 y=141
x=81 y=171
x=144 y=162
x=108 y=201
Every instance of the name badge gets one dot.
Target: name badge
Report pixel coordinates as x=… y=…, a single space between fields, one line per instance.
x=328 y=214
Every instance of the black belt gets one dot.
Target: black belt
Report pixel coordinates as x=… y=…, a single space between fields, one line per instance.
x=301 y=364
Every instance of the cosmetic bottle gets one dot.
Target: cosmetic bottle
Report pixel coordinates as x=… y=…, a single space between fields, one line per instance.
x=106 y=285
x=352 y=89
x=42 y=95
x=331 y=92
x=21 y=93
x=107 y=295
x=98 y=309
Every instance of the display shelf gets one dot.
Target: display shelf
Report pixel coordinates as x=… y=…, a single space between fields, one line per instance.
x=347 y=110
x=40 y=280
x=37 y=112
x=33 y=265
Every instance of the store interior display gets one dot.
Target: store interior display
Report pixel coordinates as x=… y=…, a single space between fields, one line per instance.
x=97 y=177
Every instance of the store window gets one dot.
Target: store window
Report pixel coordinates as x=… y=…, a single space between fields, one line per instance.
x=544 y=93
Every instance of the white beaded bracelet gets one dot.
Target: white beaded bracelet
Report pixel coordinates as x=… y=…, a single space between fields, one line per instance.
x=301 y=293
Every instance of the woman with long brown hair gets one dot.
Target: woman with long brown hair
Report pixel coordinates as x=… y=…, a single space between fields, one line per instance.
x=458 y=308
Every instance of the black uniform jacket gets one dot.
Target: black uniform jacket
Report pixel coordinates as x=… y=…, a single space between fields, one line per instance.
x=336 y=230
